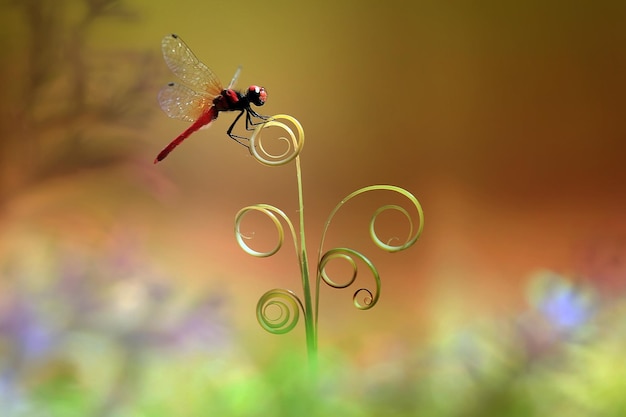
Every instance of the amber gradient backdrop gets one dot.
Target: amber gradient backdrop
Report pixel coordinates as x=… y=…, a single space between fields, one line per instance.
x=505 y=119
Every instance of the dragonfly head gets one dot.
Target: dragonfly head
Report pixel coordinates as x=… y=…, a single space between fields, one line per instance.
x=257 y=95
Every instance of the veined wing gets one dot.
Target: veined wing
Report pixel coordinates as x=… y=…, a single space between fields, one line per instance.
x=180 y=102
x=187 y=67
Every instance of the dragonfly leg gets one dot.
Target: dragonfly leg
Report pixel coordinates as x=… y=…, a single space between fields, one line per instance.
x=250 y=123
x=255 y=114
x=234 y=137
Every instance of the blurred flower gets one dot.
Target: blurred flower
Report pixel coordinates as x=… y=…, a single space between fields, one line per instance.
x=561 y=312
x=27 y=334
x=83 y=300
x=565 y=306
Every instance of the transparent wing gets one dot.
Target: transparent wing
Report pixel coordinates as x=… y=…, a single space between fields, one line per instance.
x=187 y=67
x=235 y=77
x=180 y=102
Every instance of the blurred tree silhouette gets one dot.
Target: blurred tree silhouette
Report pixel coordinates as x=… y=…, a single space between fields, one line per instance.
x=65 y=93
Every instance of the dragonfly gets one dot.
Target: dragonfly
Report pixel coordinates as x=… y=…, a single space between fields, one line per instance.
x=201 y=97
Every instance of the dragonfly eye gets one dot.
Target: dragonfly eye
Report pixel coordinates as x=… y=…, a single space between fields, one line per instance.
x=257 y=95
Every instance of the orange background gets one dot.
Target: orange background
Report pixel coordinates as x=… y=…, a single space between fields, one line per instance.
x=506 y=121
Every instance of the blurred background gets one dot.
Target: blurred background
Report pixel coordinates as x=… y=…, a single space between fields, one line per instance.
x=123 y=291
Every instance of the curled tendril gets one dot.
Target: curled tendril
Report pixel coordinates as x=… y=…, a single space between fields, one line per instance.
x=287 y=306
x=412 y=235
x=363 y=298
x=388 y=246
x=294 y=141
x=273 y=213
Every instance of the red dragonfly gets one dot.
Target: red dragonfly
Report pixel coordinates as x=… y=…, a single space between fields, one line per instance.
x=204 y=97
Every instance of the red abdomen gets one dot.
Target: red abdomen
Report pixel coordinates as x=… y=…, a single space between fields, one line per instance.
x=204 y=119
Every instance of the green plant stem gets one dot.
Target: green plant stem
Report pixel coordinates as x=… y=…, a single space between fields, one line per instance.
x=309 y=323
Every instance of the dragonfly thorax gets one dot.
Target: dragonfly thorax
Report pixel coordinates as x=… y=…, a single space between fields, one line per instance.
x=230 y=99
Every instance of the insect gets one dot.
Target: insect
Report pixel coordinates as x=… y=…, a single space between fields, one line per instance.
x=202 y=98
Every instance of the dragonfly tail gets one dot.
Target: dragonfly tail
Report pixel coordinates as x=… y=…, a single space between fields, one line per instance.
x=203 y=120
x=169 y=148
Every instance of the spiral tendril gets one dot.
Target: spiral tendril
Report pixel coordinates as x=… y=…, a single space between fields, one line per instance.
x=240 y=236
x=361 y=302
x=367 y=300
x=363 y=298
x=388 y=246
x=273 y=213
x=295 y=142
x=412 y=235
x=286 y=317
